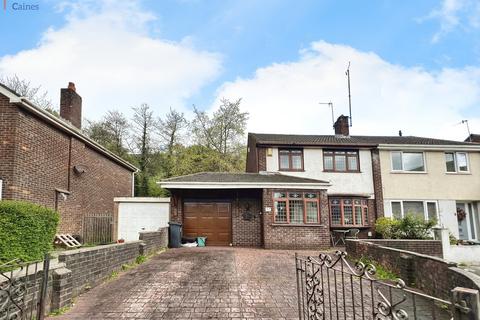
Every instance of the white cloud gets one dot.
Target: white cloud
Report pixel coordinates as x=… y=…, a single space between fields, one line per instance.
x=284 y=97
x=453 y=14
x=105 y=48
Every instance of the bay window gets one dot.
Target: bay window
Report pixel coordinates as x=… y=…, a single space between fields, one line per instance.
x=408 y=161
x=290 y=159
x=340 y=161
x=348 y=212
x=456 y=162
x=296 y=207
x=426 y=210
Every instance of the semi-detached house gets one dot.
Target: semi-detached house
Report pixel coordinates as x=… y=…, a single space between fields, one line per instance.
x=348 y=182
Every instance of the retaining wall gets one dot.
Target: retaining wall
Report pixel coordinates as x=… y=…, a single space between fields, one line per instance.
x=432 y=275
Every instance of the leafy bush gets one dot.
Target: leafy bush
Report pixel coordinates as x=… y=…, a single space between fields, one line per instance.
x=410 y=227
x=27 y=230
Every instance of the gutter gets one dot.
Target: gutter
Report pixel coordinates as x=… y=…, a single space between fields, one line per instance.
x=423 y=147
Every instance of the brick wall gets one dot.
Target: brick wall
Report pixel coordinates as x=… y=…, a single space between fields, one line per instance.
x=246 y=222
x=90 y=266
x=432 y=275
x=427 y=247
x=36 y=158
x=277 y=236
x=377 y=184
x=262 y=159
x=154 y=240
x=8 y=120
x=251 y=163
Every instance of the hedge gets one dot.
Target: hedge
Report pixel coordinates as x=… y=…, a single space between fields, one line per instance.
x=27 y=230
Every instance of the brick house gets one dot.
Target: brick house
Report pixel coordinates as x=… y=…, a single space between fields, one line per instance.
x=355 y=181
x=47 y=160
x=238 y=208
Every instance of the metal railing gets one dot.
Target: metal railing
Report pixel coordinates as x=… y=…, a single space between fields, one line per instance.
x=23 y=289
x=331 y=287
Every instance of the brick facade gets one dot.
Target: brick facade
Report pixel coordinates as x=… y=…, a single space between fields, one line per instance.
x=36 y=158
x=377 y=184
x=247 y=222
x=277 y=236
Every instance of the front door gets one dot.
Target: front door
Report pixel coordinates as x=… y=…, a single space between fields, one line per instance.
x=208 y=219
x=469 y=225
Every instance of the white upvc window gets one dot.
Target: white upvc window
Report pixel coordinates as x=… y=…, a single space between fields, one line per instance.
x=427 y=210
x=406 y=161
x=1 y=188
x=456 y=162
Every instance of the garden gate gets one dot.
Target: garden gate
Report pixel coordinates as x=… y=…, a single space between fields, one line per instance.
x=330 y=287
x=23 y=289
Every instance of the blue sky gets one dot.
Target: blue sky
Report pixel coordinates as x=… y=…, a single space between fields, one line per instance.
x=230 y=42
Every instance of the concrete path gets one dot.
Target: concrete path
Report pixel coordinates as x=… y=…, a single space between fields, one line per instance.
x=198 y=283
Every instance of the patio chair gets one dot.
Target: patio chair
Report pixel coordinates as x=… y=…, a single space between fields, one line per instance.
x=352 y=234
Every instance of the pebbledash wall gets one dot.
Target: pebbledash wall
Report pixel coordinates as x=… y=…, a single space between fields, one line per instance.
x=78 y=270
x=432 y=275
x=36 y=158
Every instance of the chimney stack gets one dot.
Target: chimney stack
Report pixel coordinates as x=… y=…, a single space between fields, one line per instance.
x=341 y=126
x=71 y=105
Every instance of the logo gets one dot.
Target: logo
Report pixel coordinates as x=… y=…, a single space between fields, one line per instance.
x=21 y=6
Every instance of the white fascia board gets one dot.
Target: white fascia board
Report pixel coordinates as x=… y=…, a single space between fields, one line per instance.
x=423 y=147
x=243 y=185
x=141 y=199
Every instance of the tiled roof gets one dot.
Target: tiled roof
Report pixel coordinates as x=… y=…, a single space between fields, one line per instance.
x=293 y=139
x=227 y=177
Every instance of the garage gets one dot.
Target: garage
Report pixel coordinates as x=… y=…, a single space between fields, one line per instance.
x=208 y=219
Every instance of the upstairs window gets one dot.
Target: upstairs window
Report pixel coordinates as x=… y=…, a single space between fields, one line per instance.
x=340 y=161
x=408 y=161
x=456 y=162
x=290 y=159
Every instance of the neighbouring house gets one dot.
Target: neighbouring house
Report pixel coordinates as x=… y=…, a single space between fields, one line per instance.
x=433 y=178
x=238 y=209
x=49 y=161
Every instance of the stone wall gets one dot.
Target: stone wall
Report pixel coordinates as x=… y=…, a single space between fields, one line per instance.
x=432 y=275
x=154 y=240
x=427 y=247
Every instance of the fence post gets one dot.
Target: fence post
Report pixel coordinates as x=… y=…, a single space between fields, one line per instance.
x=466 y=302
x=43 y=292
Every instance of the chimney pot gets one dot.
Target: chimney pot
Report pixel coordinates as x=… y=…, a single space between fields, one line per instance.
x=71 y=86
x=400 y=133
x=342 y=126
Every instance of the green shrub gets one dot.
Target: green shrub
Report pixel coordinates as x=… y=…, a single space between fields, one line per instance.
x=27 y=230
x=410 y=227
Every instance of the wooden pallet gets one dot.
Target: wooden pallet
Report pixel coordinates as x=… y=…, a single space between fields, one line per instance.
x=67 y=240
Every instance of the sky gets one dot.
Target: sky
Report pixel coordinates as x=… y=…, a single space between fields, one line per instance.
x=414 y=65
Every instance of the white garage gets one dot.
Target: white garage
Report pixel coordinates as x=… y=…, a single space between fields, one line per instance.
x=133 y=215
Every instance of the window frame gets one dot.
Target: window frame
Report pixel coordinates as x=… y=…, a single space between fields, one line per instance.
x=346 y=155
x=289 y=150
x=363 y=205
x=455 y=162
x=304 y=199
x=425 y=208
x=401 y=158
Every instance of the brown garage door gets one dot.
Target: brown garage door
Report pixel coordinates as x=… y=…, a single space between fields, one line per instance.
x=210 y=219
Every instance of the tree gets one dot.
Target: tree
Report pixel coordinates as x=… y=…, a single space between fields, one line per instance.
x=171 y=132
x=111 y=132
x=223 y=131
x=142 y=129
x=24 y=88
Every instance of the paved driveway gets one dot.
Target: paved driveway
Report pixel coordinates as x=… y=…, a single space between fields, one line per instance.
x=198 y=283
